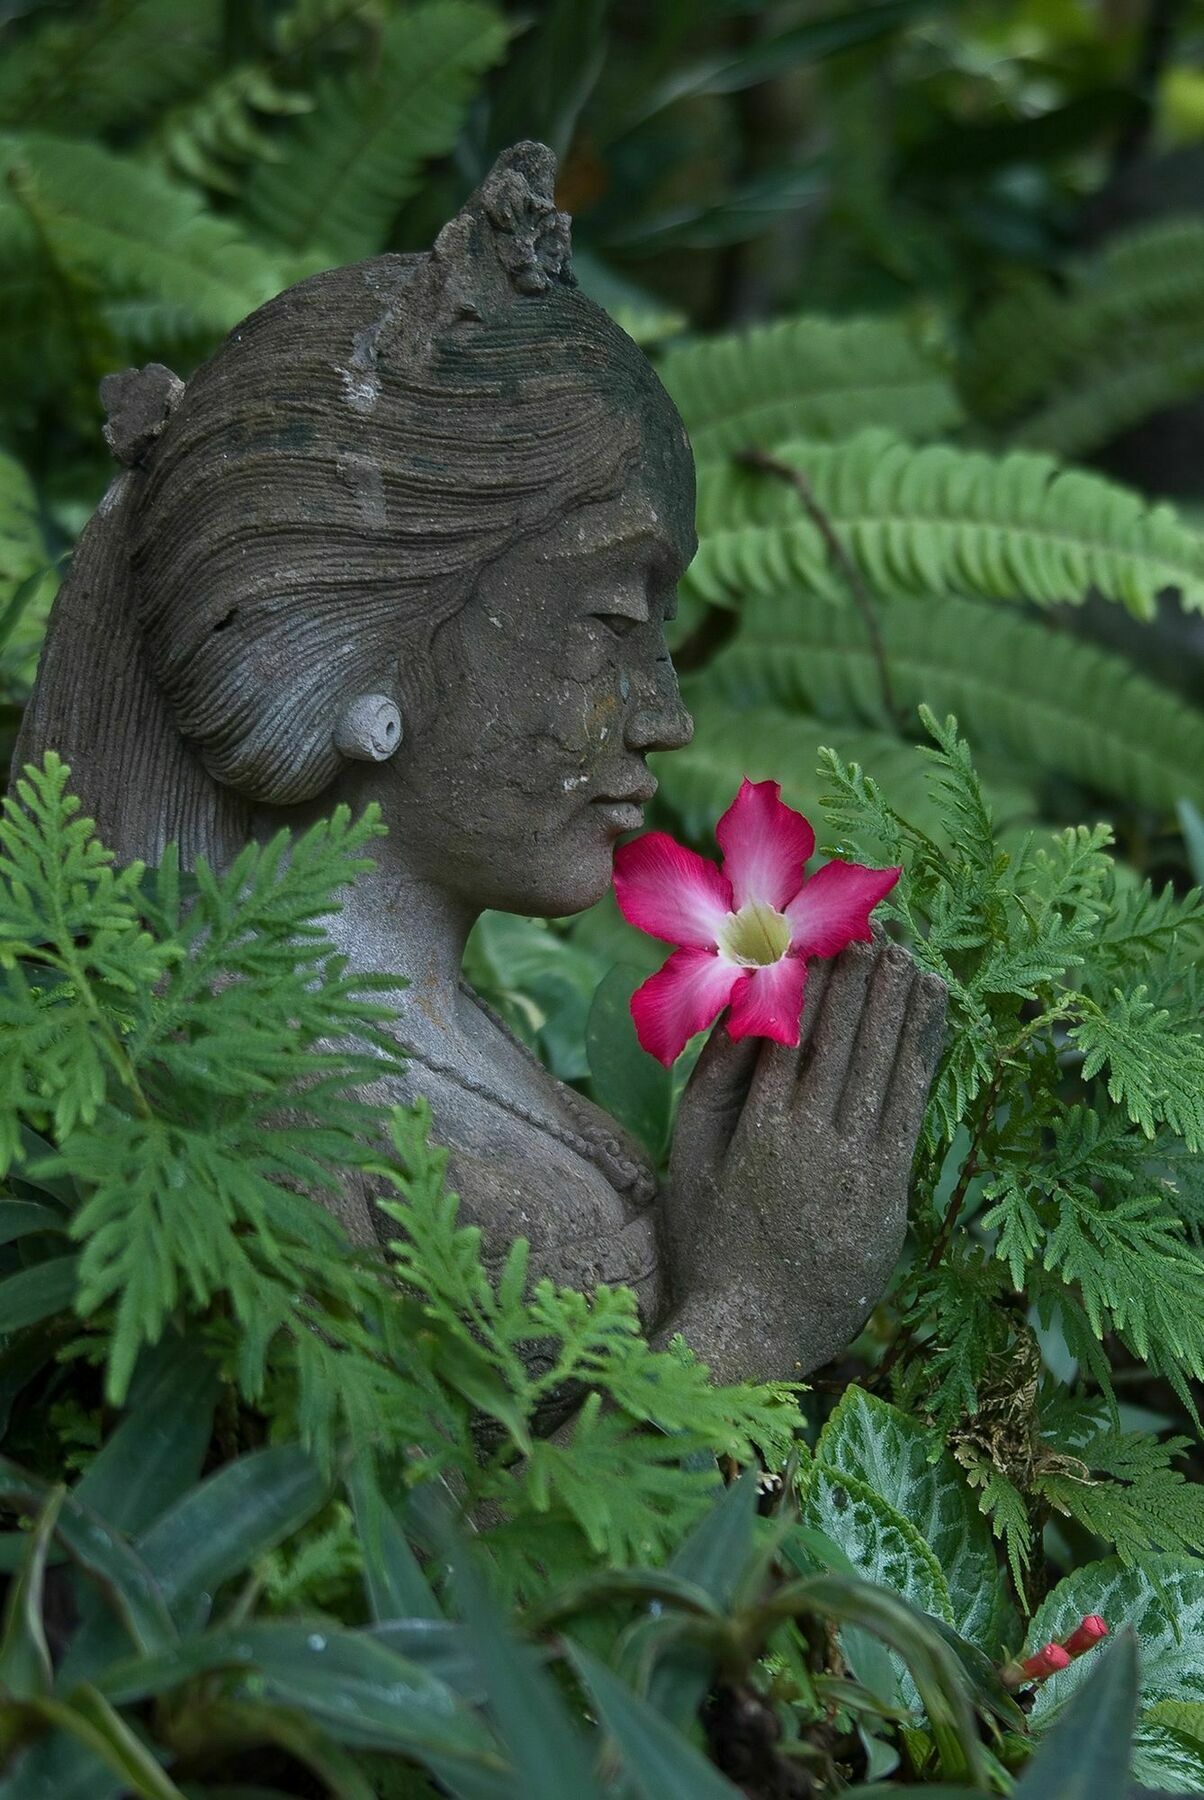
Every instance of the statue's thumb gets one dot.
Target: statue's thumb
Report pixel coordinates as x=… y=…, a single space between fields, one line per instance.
x=715 y=1096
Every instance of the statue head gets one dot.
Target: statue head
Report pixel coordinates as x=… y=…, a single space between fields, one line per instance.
x=410 y=534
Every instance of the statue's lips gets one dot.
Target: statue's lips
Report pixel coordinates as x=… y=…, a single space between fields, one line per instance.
x=619 y=815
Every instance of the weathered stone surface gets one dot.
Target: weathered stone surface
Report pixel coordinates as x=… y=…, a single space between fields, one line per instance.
x=410 y=536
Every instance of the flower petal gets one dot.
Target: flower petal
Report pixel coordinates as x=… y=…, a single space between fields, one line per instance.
x=771 y=1002
x=693 y=988
x=765 y=845
x=671 y=892
x=834 y=907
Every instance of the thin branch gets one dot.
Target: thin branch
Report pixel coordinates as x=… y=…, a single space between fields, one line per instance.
x=841 y=560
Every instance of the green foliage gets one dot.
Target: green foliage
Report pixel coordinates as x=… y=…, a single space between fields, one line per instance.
x=1060 y=1097
x=1068 y=368
x=1036 y=695
x=612 y=1482
x=807 y=378
x=343 y=172
x=936 y=520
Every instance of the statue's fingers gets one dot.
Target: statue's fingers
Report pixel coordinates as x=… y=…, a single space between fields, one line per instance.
x=919 y=1051
x=878 y=1036
x=829 y=1050
x=715 y=1096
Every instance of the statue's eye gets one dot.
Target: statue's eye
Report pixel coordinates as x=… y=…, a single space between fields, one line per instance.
x=618 y=624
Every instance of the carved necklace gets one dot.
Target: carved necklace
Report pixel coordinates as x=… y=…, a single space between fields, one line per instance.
x=591 y=1143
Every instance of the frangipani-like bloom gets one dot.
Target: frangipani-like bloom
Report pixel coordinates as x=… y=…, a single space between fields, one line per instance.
x=745 y=931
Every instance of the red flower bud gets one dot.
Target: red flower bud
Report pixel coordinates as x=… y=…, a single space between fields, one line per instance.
x=1046 y=1662
x=1086 y=1635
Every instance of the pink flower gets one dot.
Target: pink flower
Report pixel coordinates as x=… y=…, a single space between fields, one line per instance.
x=745 y=931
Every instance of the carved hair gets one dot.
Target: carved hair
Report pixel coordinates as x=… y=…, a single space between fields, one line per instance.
x=300 y=520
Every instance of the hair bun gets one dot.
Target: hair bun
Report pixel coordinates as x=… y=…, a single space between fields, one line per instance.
x=139 y=403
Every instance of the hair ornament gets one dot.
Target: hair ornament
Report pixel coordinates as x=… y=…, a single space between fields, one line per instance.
x=139 y=403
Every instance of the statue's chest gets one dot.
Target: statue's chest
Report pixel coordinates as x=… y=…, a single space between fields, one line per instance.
x=538 y=1177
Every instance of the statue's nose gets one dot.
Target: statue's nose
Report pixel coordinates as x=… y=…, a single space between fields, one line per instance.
x=660 y=724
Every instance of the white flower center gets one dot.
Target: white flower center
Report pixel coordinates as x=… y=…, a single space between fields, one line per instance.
x=755 y=936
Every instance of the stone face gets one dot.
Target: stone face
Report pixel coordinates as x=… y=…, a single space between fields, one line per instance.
x=410 y=536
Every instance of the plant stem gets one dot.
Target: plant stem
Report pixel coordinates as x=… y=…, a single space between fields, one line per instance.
x=841 y=560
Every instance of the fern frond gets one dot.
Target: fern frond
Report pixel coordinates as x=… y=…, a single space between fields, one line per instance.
x=1122 y=1488
x=120 y=226
x=698 y=782
x=209 y=138
x=1067 y=369
x=112 y=62
x=1155 y=1068
x=807 y=377
x=345 y=170
x=940 y=520
x=1052 y=701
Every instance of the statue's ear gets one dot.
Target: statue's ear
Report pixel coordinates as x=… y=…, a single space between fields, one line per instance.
x=139 y=403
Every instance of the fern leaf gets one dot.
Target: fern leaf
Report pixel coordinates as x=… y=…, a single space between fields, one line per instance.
x=1155 y=1069
x=1049 y=700
x=1067 y=369
x=807 y=377
x=344 y=171
x=698 y=782
x=939 y=520
x=113 y=62
x=118 y=225
x=210 y=137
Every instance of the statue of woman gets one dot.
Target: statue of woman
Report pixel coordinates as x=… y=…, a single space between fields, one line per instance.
x=411 y=536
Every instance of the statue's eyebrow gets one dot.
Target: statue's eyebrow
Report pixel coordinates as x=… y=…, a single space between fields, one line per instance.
x=665 y=558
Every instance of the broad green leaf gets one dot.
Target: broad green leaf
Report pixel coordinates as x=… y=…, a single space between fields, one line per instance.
x=396 y=1586
x=881 y=1543
x=1168 y=1619
x=38 y=1293
x=1191 y=823
x=349 y=1683
x=25 y=1666
x=1164 y=1758
x=21 y=1218
x=624 y=1079
x=1086 y=1755
x=156 y=1452
x=215 y=1532
x=908 y=1467
x=103 y=1554
x=809 y=1549
x=715 y=1558
x=548 y=1753
x=91 y=1721
x=540 y=980
x=660 y=1762
x=232 y=1518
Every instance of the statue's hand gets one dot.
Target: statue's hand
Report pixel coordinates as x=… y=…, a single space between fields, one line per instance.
x=787 y=1201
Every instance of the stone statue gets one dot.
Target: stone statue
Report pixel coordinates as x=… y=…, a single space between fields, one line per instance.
x=411 y=536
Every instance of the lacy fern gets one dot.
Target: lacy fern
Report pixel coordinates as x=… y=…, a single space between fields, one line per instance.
x=1063 y=1099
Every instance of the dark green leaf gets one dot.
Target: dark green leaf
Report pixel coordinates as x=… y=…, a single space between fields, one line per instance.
x=661 y=1764
x=397 y=1588
x=37 y=1293
x=25 y=1666
x=623 y=1077
x=1086 y=1755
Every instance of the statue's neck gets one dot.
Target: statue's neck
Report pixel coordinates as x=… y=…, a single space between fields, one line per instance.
x=396 y=923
